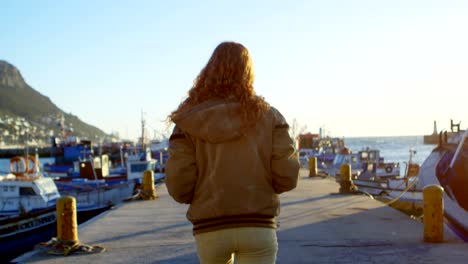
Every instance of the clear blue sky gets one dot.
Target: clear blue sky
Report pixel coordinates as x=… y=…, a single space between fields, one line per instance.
x=357 y=68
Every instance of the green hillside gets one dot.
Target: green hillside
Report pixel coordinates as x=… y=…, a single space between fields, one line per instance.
x=19 y=101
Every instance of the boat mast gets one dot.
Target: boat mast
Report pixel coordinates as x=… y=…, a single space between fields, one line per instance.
x=26 y=142
x=142 y=131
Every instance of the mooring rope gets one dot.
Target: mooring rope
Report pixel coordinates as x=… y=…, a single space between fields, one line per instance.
x=56 y=246
x=402 y=193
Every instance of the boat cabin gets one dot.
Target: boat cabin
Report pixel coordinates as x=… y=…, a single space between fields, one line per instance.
x=26 y=194
x=366 y=163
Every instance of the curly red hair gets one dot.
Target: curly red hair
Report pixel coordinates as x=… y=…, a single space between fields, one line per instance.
x=228 y=74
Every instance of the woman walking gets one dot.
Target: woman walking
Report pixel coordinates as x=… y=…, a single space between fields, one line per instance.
x=230 y=157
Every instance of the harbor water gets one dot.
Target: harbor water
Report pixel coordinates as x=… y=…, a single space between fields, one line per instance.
x=393 y=149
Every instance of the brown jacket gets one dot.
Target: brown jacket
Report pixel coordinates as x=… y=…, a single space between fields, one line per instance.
x=230 y=176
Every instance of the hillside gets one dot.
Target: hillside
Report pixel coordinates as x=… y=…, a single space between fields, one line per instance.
x=20 y=104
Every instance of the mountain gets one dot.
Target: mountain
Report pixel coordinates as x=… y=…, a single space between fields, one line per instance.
x=18 y=101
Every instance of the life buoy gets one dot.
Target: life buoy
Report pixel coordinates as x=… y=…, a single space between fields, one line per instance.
x=388 y=169
x=18 y=166
x=30 y=169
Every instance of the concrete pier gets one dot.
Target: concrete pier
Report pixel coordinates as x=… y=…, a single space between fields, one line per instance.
x=317 y=225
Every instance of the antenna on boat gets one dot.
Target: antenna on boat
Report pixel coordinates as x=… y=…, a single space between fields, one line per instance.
x=36 y=164
x=412 y=169
x=121 y=156
x=142 y=131
x=412 y=153
x=26 y=142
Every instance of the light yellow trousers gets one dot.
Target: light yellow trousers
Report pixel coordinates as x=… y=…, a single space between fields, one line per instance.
x=245 y=244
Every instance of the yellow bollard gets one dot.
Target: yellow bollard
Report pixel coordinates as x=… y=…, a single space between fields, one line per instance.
x=67 y=224
x=346 y=183
x=312 y=166
x=149 y=191
x=433 y=213
x=345 y=172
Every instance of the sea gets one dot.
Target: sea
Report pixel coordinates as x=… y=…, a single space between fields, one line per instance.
x=393 y=149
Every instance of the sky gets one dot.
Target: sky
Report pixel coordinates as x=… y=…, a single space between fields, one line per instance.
x=354 y=68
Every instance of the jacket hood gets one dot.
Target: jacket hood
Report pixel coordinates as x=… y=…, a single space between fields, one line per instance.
x=213 y=121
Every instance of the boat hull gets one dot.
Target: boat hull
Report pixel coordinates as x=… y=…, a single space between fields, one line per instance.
x=455 y=215
x=95 y=196
x=56 y=170
x=21 y=234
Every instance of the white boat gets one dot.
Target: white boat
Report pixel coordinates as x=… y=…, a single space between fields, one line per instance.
x=98 y=169
x=22 y=193
x=373 y=176
x=385 y=182
x=366 y=163
x=95 y=196
x=323 y=148
x=28 y=202
x=26 y=194
x=137 y=164
x=25 y=191
x=27 y=208
x=94 y=188
x=404 y=191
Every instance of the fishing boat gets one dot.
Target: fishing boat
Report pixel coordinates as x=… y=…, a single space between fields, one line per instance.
x=306 y=154
x=134 y=161
x=73 y=150
x=159 y=150
x=131 y=169
x=323 y=148
x=27 y=208
x=131 y=164
x=366 y=163
x=95 y=196
x=24 y=190
x=447 y=166
x=28 y=200
x=20 y=233
x=94 y=188
x=402 y=192
x=382 y=180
